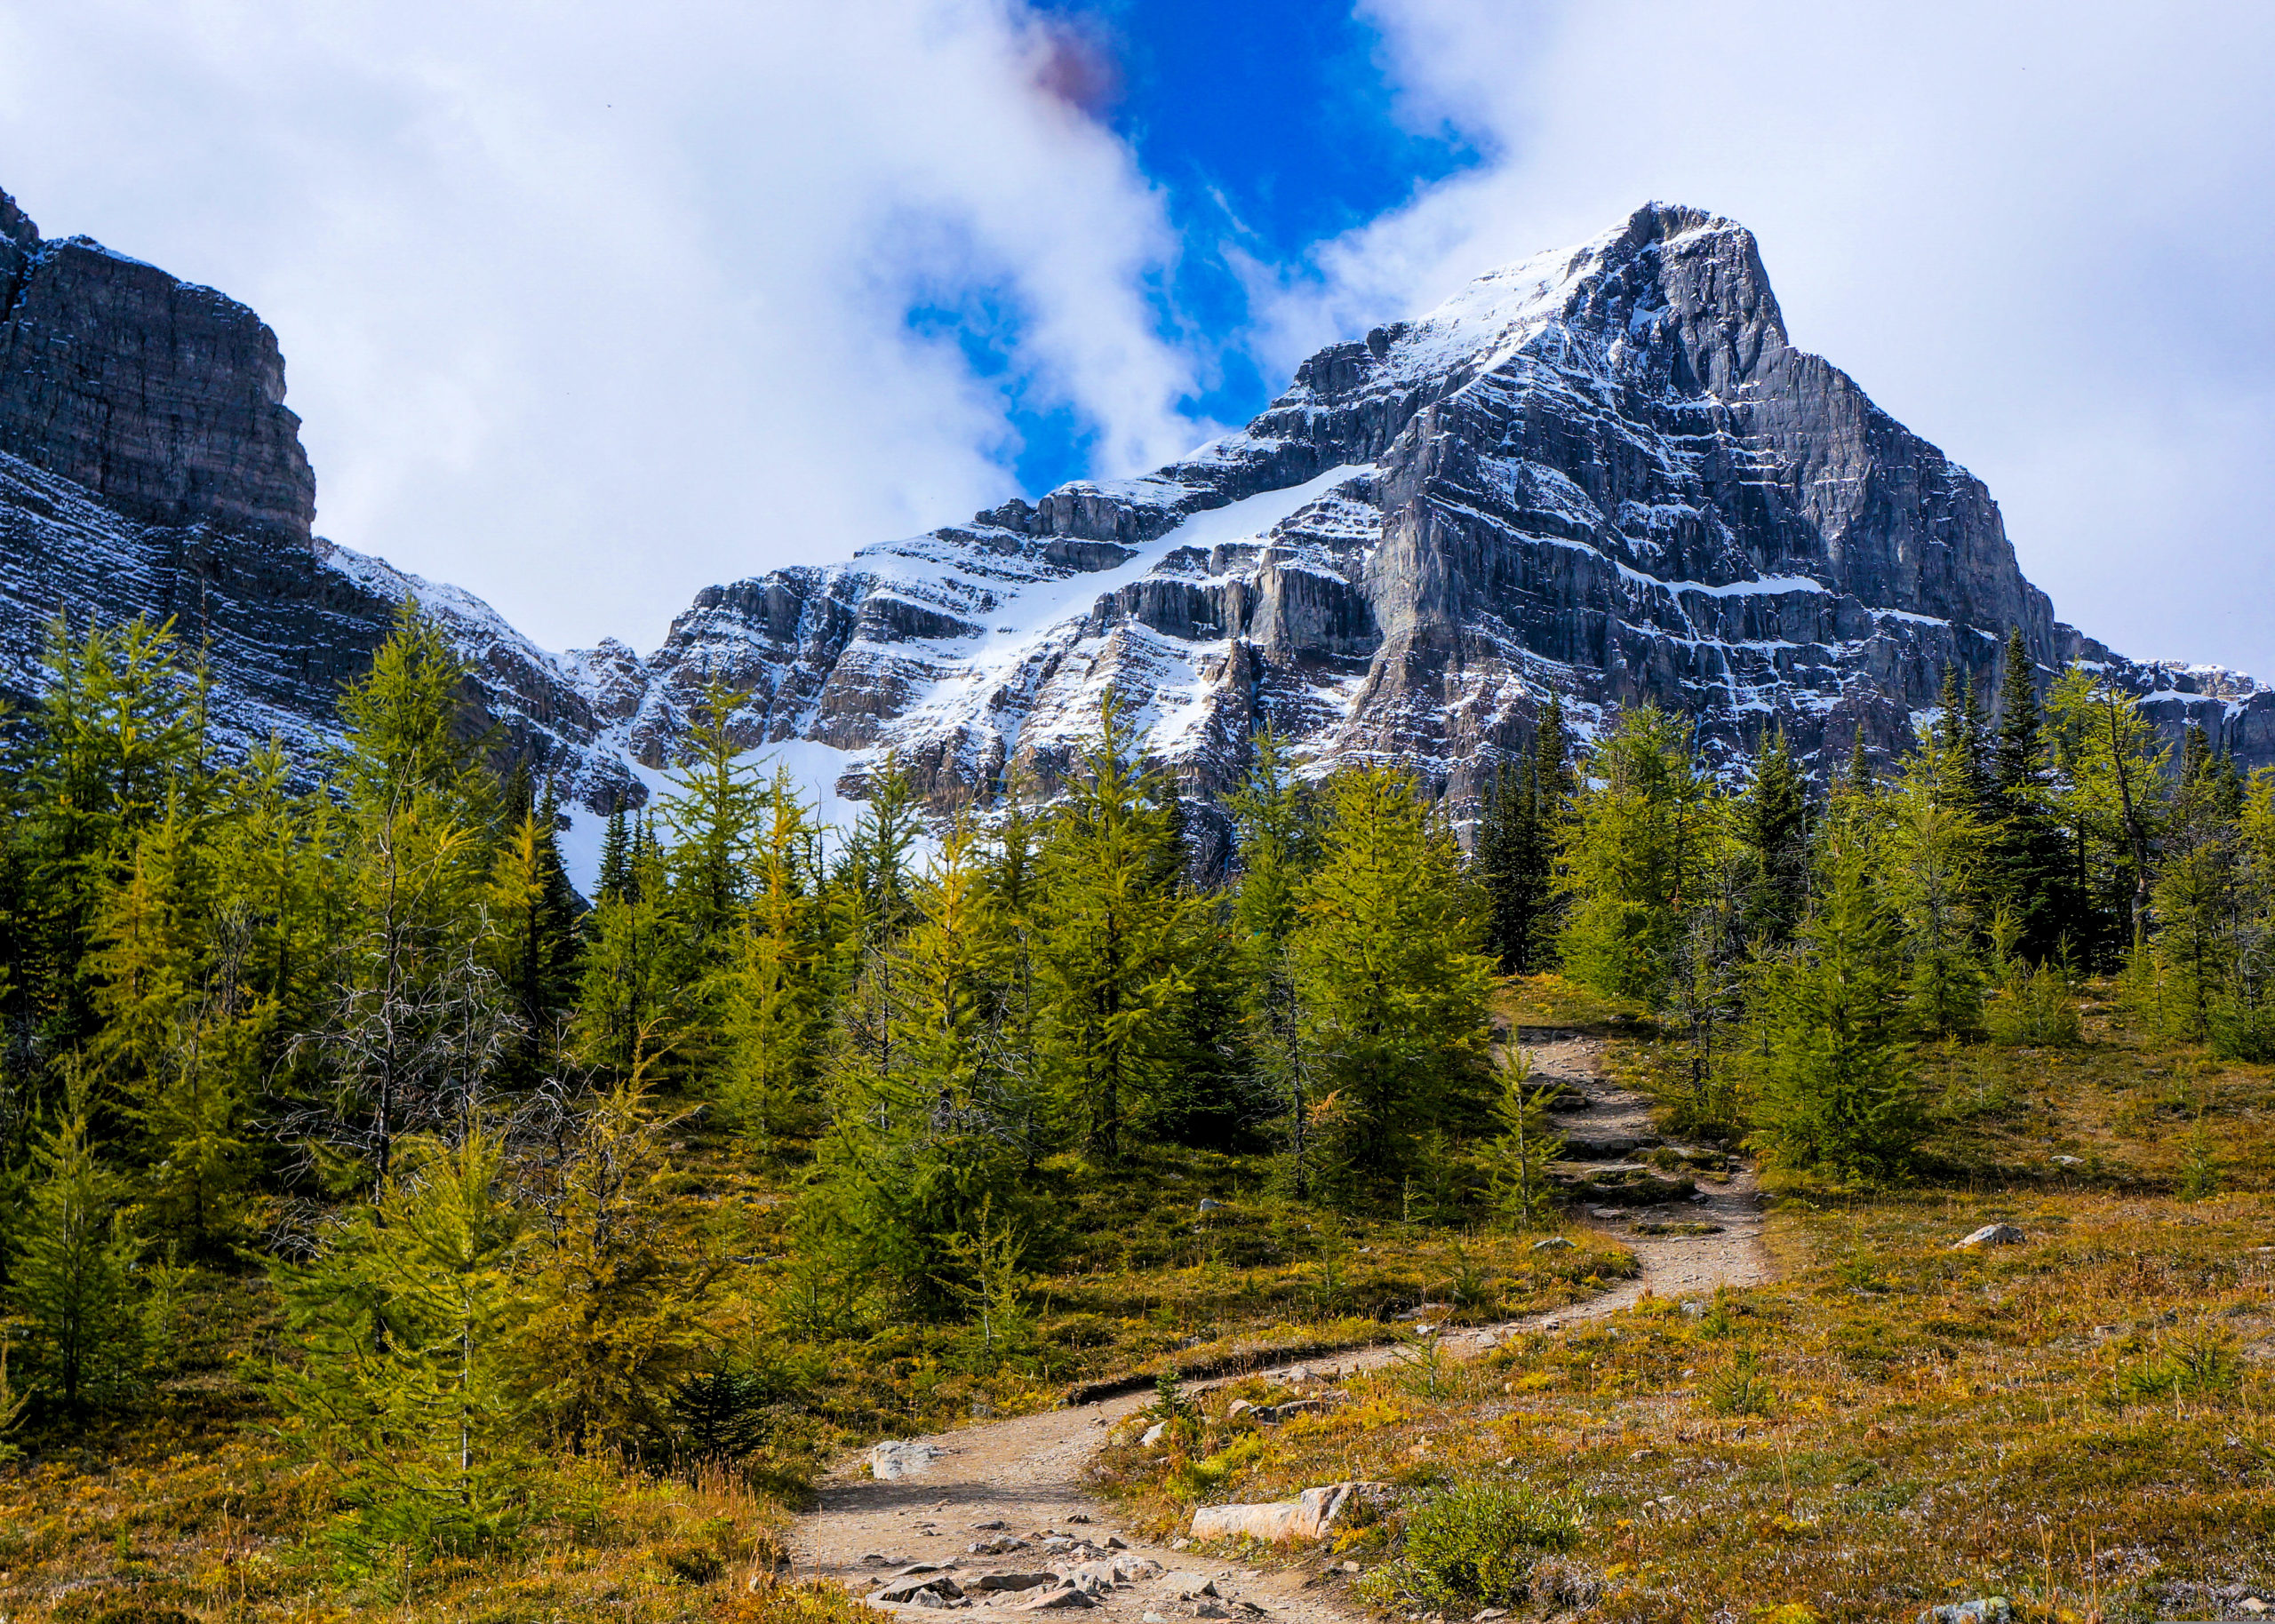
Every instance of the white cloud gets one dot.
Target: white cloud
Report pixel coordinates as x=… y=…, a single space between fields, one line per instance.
x=587 y=306
x=2036 y=233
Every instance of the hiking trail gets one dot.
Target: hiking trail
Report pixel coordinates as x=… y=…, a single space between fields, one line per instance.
x=1021 y=1480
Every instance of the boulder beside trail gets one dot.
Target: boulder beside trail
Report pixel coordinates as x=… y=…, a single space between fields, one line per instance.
x=1991 y=1235
x=1309 y=1516
x=895 y=1458
x=905 y=1588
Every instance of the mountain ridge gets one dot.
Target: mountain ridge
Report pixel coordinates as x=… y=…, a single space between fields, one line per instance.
x=1603 y=472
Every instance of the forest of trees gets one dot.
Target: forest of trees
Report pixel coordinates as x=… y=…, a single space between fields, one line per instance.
x=361 y=1038
x=1800 y=950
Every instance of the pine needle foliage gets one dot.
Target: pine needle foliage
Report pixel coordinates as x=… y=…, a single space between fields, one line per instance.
x=71 y=1268
x=406 y=1322
x=1836 y=1093
x=1644 y=827
x=1390 y=973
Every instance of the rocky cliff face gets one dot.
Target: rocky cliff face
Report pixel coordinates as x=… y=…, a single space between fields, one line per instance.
x=149 y=465
x=1604 y=473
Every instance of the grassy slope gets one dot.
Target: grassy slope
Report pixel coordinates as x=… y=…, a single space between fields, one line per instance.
x=194 y=1502
x=2079 y=1421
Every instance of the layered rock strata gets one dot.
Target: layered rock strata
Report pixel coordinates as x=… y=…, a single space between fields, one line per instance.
x=1605 y=474
x=149 y=465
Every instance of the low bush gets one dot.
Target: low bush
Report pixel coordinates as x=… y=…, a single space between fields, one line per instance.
x=1475 y=1542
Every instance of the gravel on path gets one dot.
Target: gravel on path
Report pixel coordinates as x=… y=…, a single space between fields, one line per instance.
x=1022 y=1479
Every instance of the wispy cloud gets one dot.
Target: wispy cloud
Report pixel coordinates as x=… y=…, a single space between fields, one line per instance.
x=2033 y=232
x=586 y=305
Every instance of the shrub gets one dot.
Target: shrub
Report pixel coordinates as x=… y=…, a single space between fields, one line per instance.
x=1476 y=1543
x=1743 y=1389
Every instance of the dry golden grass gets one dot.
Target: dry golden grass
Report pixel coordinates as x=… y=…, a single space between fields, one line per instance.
x=190 y=1500
x=2080 y=1422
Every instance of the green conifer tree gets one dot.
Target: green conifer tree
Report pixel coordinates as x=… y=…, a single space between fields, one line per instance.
x=1528 y=1145
x=531 y=943
x=1645 y=827
x=775 y=1010
x=714 y=813
x=1113 y=938
x=418 y=1021
x=2199 y=889
x=184 y=1036
x=1276 y=847
x=1772 y=824
x=71 y=1268
x=115 y=740
x=406 y=1322
x=2113 y=771
x=1389 y=974
x=615 y=1273
x=1933 y=850
x=923 y=1139
x=1835 y=1092
x=2027 y=870
x=616 y=856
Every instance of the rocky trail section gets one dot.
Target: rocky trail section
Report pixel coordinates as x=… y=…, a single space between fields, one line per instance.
x=998 y=1516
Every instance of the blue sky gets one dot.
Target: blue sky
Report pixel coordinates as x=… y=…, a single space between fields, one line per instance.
x=589 y=304
x=1267 y=127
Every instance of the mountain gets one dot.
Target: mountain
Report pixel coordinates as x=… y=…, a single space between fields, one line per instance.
x=149 y=465
x=1604 y=473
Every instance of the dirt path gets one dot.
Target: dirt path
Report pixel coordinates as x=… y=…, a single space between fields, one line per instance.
x=1019 y=1483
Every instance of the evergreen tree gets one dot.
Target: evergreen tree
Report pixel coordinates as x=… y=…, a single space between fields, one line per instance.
x=184 y=1036
x=1549 y=785
x=614 y=1277
x=1772 y=826
x=1015 y=905
x=274 y=858
x=1835 y=1090
x=636 y=964
x=921 y=1143
x=115 y=741
x=71 y=1268
x=1389 y=976
x=1644 y=828
x=418 y=1021
x=775 y=1011
x=1276 y=849
x=2111 y=769
x=531 y=944
x=1113 y=936
x=406 y=1320
x=1527 y=1145
x=1962 y=740
x=870 y=892
x=1210 y=1089
x=2199 y=890
x=616 y=856
x=713 y=812
x=2027 y=870
x=1513 y=862
x=2243 y=1024
x=1933 y=851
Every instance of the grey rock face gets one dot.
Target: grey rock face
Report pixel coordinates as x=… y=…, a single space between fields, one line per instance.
x=164 y=399
x=149 y=465
x=1604 y=473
